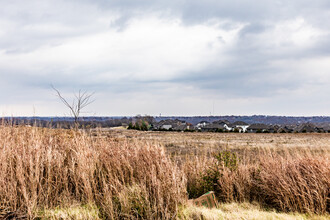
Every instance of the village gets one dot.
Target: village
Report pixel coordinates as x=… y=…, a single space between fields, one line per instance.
x=226 y=126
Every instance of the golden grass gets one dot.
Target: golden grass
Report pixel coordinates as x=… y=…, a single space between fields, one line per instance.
x=244 y=211
x=289 y=181
x=43 y=169
x=120 y=174
x=72 y=211
x=289 y=172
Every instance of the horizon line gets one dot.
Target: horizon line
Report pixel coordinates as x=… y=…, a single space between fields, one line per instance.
x=163 y=116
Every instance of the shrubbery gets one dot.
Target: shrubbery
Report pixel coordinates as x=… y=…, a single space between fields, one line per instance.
x=140 y=126
x=282 y=183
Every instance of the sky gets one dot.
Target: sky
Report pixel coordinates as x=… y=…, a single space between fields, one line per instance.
x=152 y=57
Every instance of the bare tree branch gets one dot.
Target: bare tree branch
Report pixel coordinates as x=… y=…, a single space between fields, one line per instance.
x=80 y=101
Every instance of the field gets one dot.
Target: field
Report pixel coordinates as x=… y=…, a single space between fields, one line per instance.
x=125 y=174
x=189 y=143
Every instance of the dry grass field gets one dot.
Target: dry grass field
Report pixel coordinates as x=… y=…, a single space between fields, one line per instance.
x=197 y=140
x=247 y=145
x=125 y=174
x=283 y=172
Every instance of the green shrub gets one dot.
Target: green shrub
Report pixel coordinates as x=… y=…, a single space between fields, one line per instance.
x=130 y=126
x=227 y=159
x=219 y=130
x=224 y=160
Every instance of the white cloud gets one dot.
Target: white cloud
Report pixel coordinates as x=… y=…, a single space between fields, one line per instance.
x=166 y=56
x=150 y=48
x=294 y=33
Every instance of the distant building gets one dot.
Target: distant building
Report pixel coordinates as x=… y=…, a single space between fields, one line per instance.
x=175 y=125
x=227 y=126
x=241 y=126
x=217 y=126
x=201 y=124
x=255 y=128
x=166 y=126
x=308 y=128
x=213 y=128
x=326 y=128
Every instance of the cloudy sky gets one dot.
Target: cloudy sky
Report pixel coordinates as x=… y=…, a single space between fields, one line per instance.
x=174 y=57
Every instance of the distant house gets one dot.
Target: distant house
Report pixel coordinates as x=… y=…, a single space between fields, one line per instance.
x=285 y=129
x=183 y=127
x=241 y=126
x=227 y=126
x=256 y=128
x=214 y=127
x=175 y=125
x=166 y=126
x=326 y=128
x=217 y=126
x=273 y=128
x=238 y=129
x=201 y=124
x=308 y=128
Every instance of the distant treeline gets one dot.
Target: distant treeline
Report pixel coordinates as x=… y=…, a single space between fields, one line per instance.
x=66 y=124
x=254 y=119
x=85 y=122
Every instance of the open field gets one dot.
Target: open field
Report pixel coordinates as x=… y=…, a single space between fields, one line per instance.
x=234 y=140
x=121 y=174
x=196 y=143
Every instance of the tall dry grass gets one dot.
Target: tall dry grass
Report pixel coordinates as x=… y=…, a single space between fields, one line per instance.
x=289 y=181
x=43 y=169
x=301 y=184
x=130 y=178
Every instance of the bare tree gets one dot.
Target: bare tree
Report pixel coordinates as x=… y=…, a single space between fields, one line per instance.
x=80 y=101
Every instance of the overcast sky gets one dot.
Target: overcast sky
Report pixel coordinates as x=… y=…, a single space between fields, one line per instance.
x=174 y=57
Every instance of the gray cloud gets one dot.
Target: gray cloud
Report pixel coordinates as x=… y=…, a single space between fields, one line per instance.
x=192 y=11
x=255 y=49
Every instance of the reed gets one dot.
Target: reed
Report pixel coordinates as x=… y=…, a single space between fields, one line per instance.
x=44 y=168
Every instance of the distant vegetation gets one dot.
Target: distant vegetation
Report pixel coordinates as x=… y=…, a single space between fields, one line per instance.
x=256 y=124
x=196 y=119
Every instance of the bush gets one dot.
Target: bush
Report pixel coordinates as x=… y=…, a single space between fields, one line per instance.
x=207 y=178
x=227 y=159
x=236 y=130
x=144 y=126
x=219 y=130
x=195 y=169
x=283 y=183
